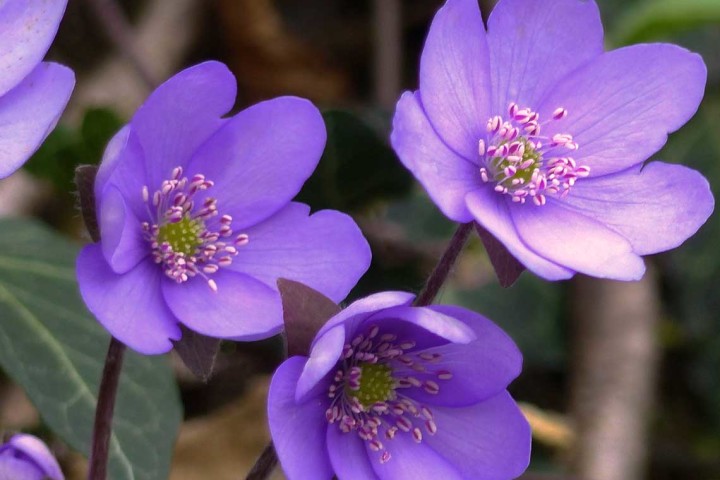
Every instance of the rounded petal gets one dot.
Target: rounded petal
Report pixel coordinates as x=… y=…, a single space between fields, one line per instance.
x=535 y=43
x=577 y=242
x=622 y=105
x=297 y=429
x=18 y=468
x=123 y=167
x=39 y=453
x=655 y=208
x=348 y=456
x=491 y=211
x=324 y=356
x=446 y=176
x=122 y=243
x=130 y=306
x=30 y=111
x=487 y=441
x=28 y=28
x=330 y=340
x=480 y=369
x=180 y=115
x=443 y=326
x=261 y=157
x=409 y=459
x=357 y=312
x=242 y=308
x=325 y=251
x=455 y=76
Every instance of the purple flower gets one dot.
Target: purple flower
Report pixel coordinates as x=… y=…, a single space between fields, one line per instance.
x=397 y=392
x=534 y=132
x=196 y=218
x=25 y=457
x=33 y=93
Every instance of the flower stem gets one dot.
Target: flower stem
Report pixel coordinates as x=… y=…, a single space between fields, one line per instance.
x=104 y=411
x=264 y=465
x=85 y=182
x=445 y=264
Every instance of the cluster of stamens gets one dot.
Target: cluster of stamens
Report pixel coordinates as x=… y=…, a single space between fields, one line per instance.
x=371 y=392
x=187 y=238
x=524 y=164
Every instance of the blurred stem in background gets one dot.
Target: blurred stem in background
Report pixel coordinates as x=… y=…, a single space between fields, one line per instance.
x=614 y=363
x=387 y=23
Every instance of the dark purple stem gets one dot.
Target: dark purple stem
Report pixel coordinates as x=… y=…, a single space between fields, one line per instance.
x=264 y=465
x=445 y=264
x=85 y=182
x=119 y=31
x=104 y=411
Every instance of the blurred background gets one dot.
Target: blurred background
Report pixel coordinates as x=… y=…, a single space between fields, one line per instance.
x=621 y=380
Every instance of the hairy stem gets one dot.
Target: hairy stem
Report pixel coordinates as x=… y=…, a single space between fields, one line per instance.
x=104 y=411
x=445 y=264
x=264 y=465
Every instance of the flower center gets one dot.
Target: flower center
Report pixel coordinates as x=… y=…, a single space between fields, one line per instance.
x=372 y=391
x=375 y=384
x=187 y=238
x=183 y=237
x=524 y=164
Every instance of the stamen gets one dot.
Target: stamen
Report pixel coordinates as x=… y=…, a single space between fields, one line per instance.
x=186 y=240
x=524 y=164
x=372 y=390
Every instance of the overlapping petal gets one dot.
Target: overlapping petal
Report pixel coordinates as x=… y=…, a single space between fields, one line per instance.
x=623 y=105
x=130 y=306
x=348 y=456
x=578 y=242
x=446 y=175
x=655 y=208
x=29 y=111
x=293 y=424
x=180 y=115
x=487 y=441
x=261 y=157
x=242 y=308
x=123 y=243
x=480 y=369
x=535 y=43
x=27 y=28
x=325 y=251
x=455 y=78
x=36 y=451
x=409 y=459
x=492 y=212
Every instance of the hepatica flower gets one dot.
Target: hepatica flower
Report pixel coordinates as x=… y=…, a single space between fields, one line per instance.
x=33 y=93
x=197 y=222
x=534 y=132
x=396 y=392
x=25 y=457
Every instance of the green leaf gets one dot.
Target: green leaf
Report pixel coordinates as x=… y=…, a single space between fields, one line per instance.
x=358 y=167
x=55 y=350
x=656 y=19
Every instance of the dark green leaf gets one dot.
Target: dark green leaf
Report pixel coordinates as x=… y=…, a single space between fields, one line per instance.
x=357 y=168
x=55 y=350
x=657 y=19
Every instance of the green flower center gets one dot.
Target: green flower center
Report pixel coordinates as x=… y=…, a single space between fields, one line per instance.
x=376 y=385
x=182 y=236
x=531 y=160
